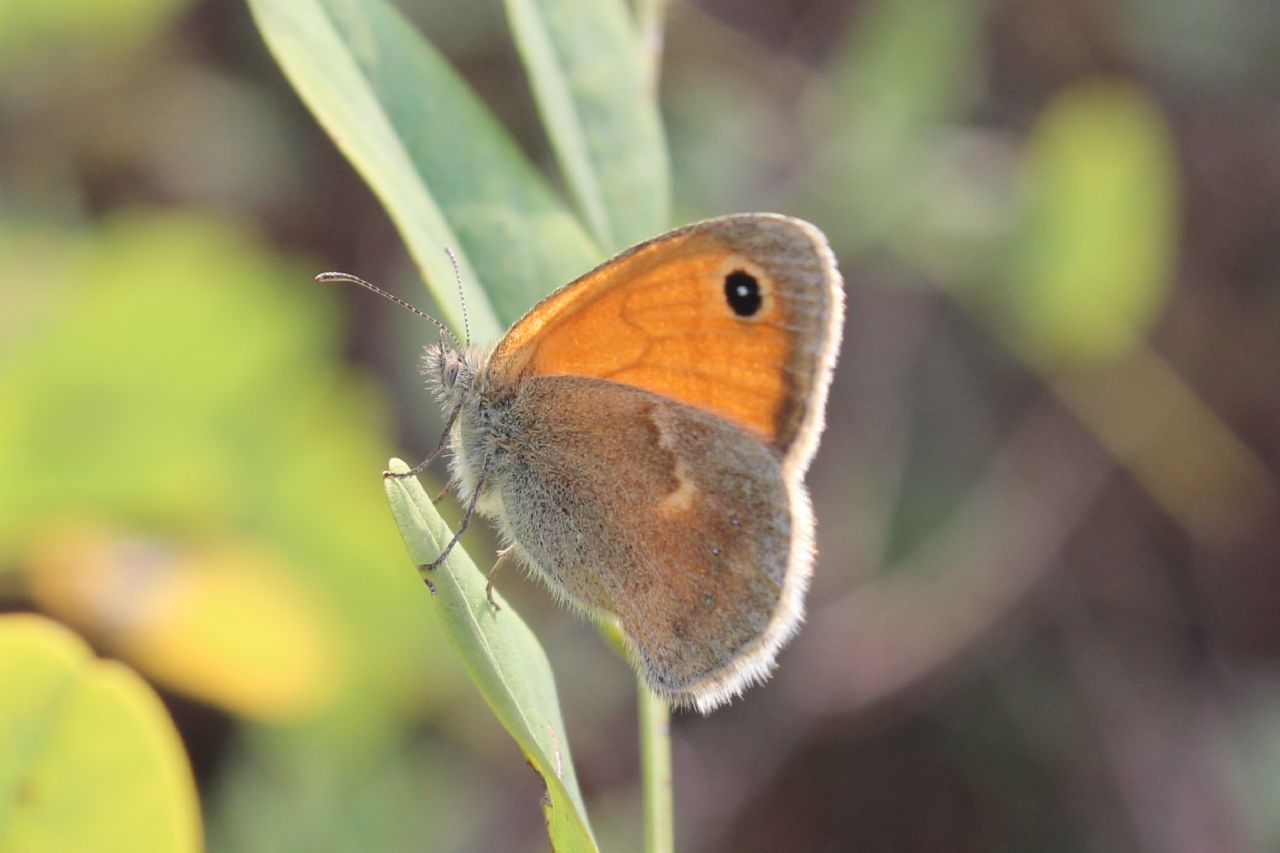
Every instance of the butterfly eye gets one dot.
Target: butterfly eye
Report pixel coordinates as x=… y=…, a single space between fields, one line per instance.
x=451 y=374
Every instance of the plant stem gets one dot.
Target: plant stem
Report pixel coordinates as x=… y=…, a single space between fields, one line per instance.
x=650 y=16
x=655 y=770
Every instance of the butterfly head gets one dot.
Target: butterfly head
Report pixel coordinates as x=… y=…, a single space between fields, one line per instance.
x=450 y=372
x=450 y=366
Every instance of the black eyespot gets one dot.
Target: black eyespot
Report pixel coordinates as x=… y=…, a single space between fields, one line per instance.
x=743 y=293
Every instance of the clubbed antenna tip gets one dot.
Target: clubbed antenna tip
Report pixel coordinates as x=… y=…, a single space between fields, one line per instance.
x=348 y=278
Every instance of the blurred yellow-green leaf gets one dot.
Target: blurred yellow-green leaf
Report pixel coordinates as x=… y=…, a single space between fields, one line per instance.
x=1094 y=256
x=89 y=759
x=219 y=622
x=29 y=27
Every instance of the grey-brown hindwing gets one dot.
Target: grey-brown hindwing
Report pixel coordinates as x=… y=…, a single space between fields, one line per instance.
x=674 y=520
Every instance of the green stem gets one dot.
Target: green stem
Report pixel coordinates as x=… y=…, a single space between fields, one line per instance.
x=650 y=16
x=655 y=769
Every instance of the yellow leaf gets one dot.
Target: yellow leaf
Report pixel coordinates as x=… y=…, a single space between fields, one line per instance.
x=89 y=759
x=221 y=623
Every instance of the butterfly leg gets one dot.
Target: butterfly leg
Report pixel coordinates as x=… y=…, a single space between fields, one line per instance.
x=448 y=487
x=425 y=463
x=488 y=590
x=466 y=520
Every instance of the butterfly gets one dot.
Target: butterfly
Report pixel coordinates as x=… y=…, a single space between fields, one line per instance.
x=640 y=439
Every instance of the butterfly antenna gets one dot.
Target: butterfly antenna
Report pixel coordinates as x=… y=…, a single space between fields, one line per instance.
x=347 y=278
x=462 y=297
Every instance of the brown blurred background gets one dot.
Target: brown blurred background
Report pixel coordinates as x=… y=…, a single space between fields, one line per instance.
x=1046 y=610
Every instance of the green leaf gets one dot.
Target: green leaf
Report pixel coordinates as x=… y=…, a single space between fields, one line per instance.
x=1094 y=254
x=503 y=657
x=897 y=84
x=587 y=71
x=444 y=168
x=89 y=760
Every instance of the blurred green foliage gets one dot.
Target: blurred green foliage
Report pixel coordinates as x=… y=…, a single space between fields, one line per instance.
x=214 y=401
x=165 y=377
x=31 y=30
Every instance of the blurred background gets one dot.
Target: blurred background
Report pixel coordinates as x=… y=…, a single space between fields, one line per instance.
x=1046 y=610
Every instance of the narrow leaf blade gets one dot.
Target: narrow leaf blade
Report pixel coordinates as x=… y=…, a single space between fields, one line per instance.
x=503 y=657
x=446 y=171
x=587 y=70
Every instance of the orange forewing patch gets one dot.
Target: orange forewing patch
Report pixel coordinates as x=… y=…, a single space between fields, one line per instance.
x=657 y=318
